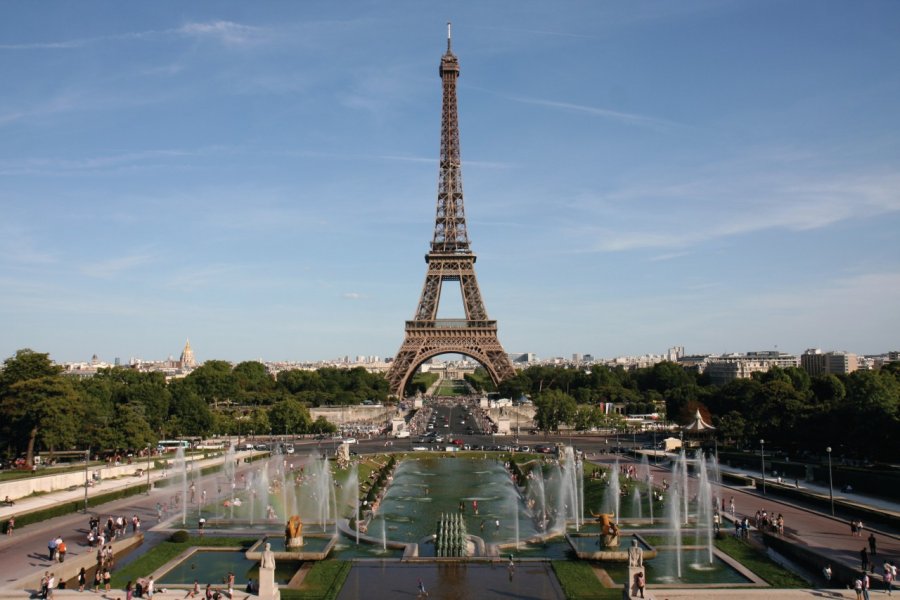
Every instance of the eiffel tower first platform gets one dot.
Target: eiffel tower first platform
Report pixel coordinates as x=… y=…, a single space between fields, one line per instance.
x=450 y=259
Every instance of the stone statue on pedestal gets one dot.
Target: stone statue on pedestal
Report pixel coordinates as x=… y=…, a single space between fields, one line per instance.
x=635 y=555
x=634 y=585
x=267 y=588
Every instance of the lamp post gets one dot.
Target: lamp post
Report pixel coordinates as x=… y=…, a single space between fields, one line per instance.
x=762 y=457
x=148 y=469
x=830 y=485
x=87 y=457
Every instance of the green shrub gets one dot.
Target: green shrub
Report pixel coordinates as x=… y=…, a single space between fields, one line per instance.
x=179 y=537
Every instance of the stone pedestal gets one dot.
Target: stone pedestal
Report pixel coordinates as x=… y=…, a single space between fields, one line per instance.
x=268 y=589
x=295 y=542
x=631 y=590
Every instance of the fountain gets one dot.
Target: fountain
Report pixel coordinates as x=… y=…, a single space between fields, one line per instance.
x=706 y=507
x=673 y=519
x=612 y=498
x=636 y=509
x=181 y=467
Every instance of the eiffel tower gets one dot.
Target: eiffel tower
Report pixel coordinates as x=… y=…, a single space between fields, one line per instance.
x=450 y=259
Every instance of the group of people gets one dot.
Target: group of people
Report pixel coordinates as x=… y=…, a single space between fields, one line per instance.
x=767 y=522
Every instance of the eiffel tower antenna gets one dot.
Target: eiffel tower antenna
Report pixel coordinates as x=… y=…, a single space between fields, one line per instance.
x=450 y=259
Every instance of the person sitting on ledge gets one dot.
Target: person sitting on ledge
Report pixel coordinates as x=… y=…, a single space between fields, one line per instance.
x=8 y=502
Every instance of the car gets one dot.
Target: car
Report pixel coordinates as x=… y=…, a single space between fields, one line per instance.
x=420 y=448
x=457 y=442
x=446 y=424
x=261 y=447
x=438 y=439
x=350 y=440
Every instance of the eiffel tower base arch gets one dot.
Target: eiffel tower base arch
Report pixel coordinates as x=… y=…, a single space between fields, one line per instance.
x=427 y=339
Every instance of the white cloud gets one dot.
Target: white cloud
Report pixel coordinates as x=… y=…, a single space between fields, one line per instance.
x=352 y=296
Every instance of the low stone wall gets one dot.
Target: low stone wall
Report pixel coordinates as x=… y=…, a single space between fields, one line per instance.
x=21 y=488
x=338 y=415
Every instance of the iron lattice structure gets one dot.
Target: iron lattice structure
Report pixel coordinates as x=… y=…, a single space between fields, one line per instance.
x=450 y=259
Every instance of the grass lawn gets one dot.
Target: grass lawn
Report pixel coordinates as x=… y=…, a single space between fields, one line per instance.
x=323 y=582
x=166 y=551
x=759 y=563
x=579 y=582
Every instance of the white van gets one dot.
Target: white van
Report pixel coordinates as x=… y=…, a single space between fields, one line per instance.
x=403 y=433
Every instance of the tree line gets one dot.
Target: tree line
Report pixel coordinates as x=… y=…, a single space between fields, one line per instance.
x=42 y=409
x=858 y=414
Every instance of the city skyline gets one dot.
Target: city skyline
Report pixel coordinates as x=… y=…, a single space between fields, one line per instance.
x=717 y=175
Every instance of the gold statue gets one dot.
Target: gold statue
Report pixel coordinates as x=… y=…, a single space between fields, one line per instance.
x=293 y=530
x=607 y=527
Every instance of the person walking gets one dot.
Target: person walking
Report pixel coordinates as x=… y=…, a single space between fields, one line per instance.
x=82 y=579
x=864 y=559
x=10 y=525
x=151 y=587
x=888 y=578
x=421 y=589
x=61 y=550
x=98 y=579
x=872 y=544
x=826 y=573
x=865 y=585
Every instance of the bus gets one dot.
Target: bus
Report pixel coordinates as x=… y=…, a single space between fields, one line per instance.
x=172 y=445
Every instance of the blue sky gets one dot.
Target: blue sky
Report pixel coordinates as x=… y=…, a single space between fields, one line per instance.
x=261 y=177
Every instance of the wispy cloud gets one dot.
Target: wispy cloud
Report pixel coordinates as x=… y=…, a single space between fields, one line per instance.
x=106 y=269
x=44 y=166
x=352 y=296
x=732 y=204
x=225 y=32
x=605 y=113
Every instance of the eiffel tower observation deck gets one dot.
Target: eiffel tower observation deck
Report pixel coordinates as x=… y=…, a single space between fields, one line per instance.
x=450 y=259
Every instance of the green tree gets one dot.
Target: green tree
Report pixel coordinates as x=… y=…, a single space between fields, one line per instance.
x=214 y=382
x=553 y=407
x=46 y=411
x=289 y=416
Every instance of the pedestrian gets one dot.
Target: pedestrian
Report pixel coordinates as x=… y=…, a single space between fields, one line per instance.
x=826 y=573
x=853 y=527
x=209 y=591
x=497 y=524
x=230 y=584
x=731 y=506
x=194 y=590
x=150 y=587
x=422 y=592
x=872 y=544
x=864 y=559
x=639 y=583
x=82 y=579
x=61 y=550
x=865 y=582
x=51 y=585
x=129 y=591
x=107 y=578
x=10 y=524
x=98 y=579
x=858 y=588
x=51 y=548
x=888 y=578
x=45 y=584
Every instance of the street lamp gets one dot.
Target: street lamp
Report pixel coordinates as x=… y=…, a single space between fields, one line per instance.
x=148 y=469
x=762 y=456
x=830 y=485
